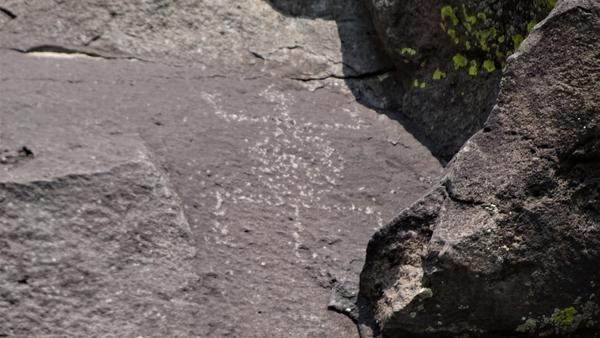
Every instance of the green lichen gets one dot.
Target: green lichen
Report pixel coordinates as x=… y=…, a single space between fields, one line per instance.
x=484 y=38
x=408 y=51
x=419 y=84
x=489 y=66
x=469 y=20
x=474 y=68
x=546 y=5
x=531 y=24
x=448 y=13
x=460 y=61
x=517 y=41
x=565 y=318
x=438 y=75
x=452 y=34
x=584 y=313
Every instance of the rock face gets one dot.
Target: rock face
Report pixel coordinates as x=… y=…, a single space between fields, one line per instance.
x=449 y=57
x=93 y=245
x=208 y=33
x=282 y=177
x=508 y=243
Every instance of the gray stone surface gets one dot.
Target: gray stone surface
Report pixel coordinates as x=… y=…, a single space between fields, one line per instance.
x=507 y=244
x=281 y=186
x=199 y=33
x=93 y=240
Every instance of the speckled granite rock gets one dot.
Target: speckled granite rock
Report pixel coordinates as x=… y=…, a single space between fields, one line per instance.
x=508 y=244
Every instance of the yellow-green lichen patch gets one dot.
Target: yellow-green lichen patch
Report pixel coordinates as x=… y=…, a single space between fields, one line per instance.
x=489 y=66
x=460 y=61
x=452 y=34
x=583 y=313
x=474 y=68
x=438 y=75
x=517 y=41
x=482 y=36
x=565 y=318
x=448 y=13
x=546 y=5
x=469 y=20
x=408 y=51
x=419 y=84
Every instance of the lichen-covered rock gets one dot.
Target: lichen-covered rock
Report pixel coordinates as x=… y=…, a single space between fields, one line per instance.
x=509 y=243
x=449 y=55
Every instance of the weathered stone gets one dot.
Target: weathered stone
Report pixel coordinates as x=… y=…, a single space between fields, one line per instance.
x=93 y=242
x=228 y=33
x=277 y=182
x=508 y=244
x=449 y=56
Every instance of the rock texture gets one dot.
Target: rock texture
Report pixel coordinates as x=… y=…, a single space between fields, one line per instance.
x=449 y=57
x=507 y=244
x=94 y=243
x=223 y=33
x=282 y=177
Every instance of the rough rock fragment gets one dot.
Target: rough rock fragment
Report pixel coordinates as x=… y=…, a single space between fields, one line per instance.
x=508 y=244
x=93 y=242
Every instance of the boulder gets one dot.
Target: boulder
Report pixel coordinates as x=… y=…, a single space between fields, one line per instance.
x=449 y=55
x=508 y=244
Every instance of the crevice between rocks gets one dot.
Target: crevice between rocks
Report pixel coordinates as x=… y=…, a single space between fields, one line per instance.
x=362 y=76
x=8 y=13
x=56 y=49
x=454 y=198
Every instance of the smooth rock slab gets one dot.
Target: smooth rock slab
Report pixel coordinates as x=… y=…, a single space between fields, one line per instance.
x=282 y=187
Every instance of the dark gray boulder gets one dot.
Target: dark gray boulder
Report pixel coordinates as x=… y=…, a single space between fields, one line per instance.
x=508 y=243
x=449 y=56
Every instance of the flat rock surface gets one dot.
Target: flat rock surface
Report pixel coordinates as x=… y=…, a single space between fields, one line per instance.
x=94 y=241
x=281 y=186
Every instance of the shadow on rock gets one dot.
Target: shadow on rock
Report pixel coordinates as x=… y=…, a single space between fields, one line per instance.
x=367 y=71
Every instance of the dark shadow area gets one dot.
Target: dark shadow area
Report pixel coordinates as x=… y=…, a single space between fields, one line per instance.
x=437 y=73
x=368 y=72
